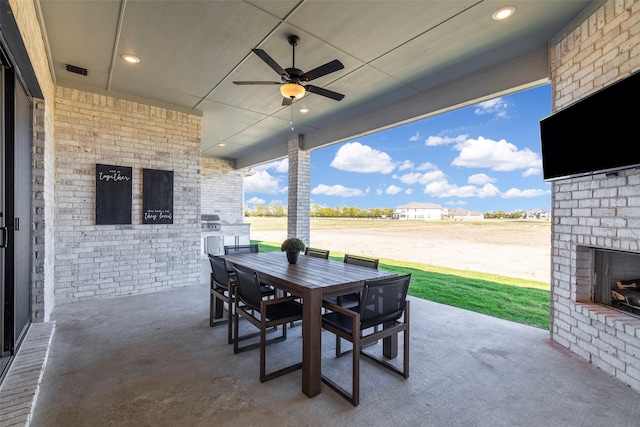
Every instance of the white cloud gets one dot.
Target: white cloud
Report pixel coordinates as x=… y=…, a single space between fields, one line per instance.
x=338 y=190
x=421 y=178
x=379 y=192
x=262 y=182
x=280 y=166
x=513 y=193
x=415 y=137
x=426 y=166
x=355 y=157
x=479 y=179
x=256 y=201
x=480 y=186
x=434 y=141
x=442 y=188
x=496 y=107
x=393 y=189
x=488 y=190
x=496 y=155
x=407 y=164
x=531 y=172
x=409 y=178
x=408 y=191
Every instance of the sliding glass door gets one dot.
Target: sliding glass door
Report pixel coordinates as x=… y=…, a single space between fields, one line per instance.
x=15 y=212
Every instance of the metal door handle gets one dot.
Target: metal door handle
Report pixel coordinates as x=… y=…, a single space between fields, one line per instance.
x=4 y=237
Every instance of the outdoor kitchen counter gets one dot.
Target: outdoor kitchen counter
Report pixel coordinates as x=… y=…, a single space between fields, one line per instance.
x=229 y=234
x=229 y=229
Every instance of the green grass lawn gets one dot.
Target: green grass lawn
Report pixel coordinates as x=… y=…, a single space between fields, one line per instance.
x=517 y=300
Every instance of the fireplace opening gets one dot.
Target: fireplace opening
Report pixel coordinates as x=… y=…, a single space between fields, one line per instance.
x=617 y=280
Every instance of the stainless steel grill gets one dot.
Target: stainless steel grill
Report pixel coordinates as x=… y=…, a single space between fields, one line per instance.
x=210 y=222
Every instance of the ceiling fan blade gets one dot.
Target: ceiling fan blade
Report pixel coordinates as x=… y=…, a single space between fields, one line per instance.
x=271 y=63
x=322 y=70
x=257 y=83
x=324 y=92
x=286 y=101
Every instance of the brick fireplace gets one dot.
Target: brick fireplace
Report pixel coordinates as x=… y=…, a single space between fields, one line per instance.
x=600 y=212
x=596 y=228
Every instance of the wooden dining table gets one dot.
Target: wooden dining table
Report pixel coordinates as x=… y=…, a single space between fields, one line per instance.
x=311 y=279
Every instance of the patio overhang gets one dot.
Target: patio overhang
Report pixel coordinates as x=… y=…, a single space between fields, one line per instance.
x=417 y=59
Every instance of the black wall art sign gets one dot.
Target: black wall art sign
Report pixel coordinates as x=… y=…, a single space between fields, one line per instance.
x=113 y=194
x=157 y=196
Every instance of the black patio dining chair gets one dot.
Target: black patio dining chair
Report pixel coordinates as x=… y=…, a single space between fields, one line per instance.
x=361 y=260
x=315 y=252
x=241 y=249
x=383 y=312
x=353 y=299
x=221 y=293
x=263 y=314
x=246 y=249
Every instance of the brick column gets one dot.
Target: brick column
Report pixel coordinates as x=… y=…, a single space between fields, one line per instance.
x=38 y=298
x=298 y=224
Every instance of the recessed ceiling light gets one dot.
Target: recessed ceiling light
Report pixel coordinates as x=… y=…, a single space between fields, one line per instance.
x=132 y=59
x=503 y=13
x=222 y=144
x=304 y=110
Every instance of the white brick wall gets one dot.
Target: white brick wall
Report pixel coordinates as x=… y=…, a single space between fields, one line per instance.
x=110 y=260
x=38 y=295
x=222 y=190
x=598 y=211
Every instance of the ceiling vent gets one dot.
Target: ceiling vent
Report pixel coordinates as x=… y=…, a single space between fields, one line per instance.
x=77 y=70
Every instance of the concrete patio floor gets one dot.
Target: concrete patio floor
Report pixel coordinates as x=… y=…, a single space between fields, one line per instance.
x=153 y=360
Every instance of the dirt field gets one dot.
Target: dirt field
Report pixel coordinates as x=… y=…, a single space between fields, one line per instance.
x=513 y=249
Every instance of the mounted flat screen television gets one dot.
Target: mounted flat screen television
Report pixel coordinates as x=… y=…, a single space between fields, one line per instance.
x=598 y=134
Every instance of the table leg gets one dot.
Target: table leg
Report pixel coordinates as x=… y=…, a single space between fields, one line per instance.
x=311 y=342
x=390 y=346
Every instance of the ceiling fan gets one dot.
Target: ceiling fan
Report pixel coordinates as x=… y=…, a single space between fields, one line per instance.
x=291 y=86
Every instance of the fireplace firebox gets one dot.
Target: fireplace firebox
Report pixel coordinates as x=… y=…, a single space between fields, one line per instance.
x=617 y=279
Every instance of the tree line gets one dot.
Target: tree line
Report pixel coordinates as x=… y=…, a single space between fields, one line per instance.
x=279 y=210
x=505 y=215
x=275 y=210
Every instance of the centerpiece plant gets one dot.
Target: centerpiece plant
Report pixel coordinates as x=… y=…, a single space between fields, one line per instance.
x=292 y=246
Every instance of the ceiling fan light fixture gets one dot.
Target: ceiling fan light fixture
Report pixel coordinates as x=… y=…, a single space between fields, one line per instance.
x=292 y=90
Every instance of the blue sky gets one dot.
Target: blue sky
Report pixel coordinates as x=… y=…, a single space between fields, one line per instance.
x=485 y=157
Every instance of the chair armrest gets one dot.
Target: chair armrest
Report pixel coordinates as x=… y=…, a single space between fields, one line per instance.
x=354 y=315
x=339 y=309
x=266 y=302
x=335 y=320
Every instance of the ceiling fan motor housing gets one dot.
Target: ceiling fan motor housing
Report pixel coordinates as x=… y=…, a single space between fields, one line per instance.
x=294 y=75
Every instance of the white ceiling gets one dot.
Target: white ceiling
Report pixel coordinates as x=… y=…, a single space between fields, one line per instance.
x=403 y=60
